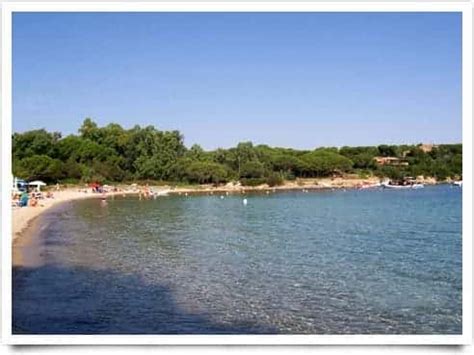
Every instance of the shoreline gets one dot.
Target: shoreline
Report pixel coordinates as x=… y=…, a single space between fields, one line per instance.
x=23 y=217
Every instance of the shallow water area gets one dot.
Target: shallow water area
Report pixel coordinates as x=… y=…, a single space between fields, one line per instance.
x=322 y=262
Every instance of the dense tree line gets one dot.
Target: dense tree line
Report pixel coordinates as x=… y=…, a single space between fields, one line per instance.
x=115 y=154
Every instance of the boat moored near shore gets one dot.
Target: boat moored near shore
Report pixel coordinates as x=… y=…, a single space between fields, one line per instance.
x=403 y=185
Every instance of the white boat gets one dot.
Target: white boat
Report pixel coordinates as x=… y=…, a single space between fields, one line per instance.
x=396 y=187
x=161 y=193
x=402 y=187
x=458 y=183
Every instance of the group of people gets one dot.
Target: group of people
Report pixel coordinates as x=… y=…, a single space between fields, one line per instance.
x=146 y=193
x=25 y=198
x=98 y=188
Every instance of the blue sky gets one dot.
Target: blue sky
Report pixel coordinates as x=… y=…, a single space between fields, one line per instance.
x=298 y=80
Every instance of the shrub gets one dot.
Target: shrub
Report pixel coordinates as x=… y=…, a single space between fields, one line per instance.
x=274 y=179
x=253 y=181
x=300 y=182
x=363 y=174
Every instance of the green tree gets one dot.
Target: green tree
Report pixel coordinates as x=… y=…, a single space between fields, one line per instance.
x=40 y=167
x=36 y=142
x=252 y=169
x=112 y=153
x=387 y=150
x=206 y=172
x=324 y=163
x=90 y=130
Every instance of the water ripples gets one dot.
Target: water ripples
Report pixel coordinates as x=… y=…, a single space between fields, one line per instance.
x=355 y=262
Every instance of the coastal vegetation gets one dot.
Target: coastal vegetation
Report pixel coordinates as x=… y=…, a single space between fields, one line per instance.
x=114 y=154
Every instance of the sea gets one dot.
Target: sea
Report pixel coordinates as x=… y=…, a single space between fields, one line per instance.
x=374 y=261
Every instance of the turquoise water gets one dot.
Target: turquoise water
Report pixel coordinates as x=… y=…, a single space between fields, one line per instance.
x=335 y=262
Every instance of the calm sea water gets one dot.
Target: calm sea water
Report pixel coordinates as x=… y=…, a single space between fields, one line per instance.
x=336 y=262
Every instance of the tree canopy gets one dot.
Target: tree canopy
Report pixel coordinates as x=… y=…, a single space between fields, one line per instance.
x=112 y=153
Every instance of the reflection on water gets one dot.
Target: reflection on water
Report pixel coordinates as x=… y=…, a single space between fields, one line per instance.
x=378 y=262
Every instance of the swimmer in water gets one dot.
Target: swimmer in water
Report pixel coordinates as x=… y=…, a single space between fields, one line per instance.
x=103 y=198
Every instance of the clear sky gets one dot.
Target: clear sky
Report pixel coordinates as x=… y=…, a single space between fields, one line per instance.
x=297 y=80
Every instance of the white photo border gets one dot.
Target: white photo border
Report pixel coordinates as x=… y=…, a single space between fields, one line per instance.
x=8 y=8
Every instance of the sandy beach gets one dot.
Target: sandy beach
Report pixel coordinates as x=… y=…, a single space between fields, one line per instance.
x=22 y=216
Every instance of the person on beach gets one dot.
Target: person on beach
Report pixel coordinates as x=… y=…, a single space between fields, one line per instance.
x=24 y=199
x=16 y=200
x=33 y=201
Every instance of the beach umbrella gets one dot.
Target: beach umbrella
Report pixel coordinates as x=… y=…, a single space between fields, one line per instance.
x=37 y=183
